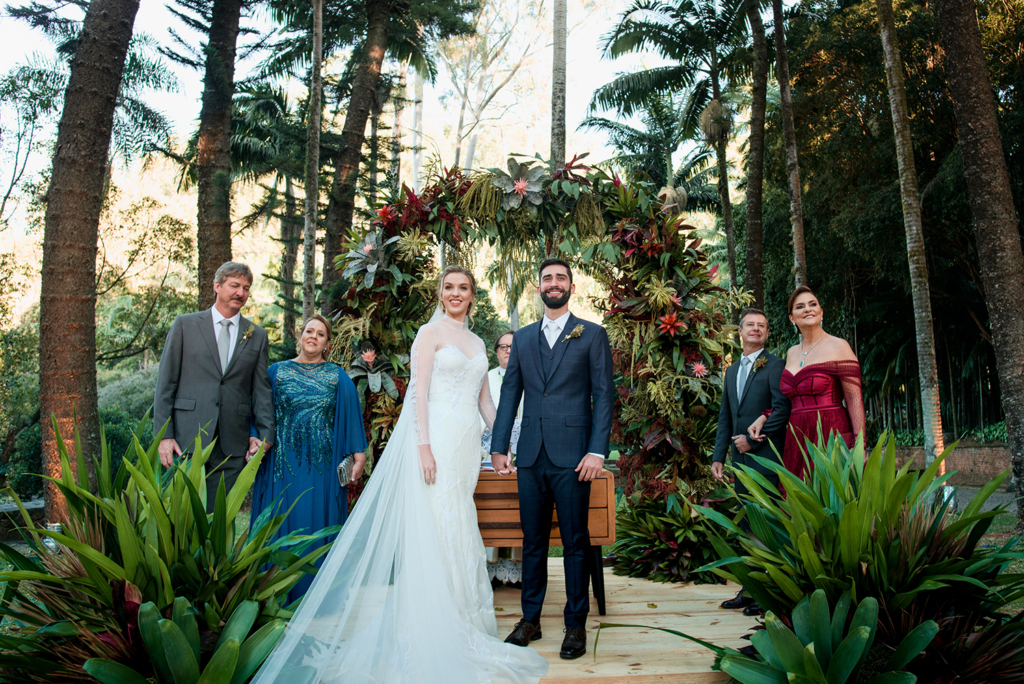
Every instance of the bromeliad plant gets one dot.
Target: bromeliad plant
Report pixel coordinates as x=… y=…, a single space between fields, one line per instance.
x=144 y=536
x=861 y=525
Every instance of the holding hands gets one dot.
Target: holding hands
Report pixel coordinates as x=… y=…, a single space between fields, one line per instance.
x=755 y=429
x=502 y=464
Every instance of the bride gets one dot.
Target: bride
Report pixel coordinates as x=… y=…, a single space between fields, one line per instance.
x=403 y=595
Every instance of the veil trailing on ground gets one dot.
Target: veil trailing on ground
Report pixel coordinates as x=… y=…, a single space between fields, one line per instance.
x=382 y=607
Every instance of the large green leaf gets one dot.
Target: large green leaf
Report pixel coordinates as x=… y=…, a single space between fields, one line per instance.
x=255 y=650
x=912 y=645
x=149 y=628
x=221 y=667
x=848 y=655
x=747 y=671
x=109 y=672
x=180 y=660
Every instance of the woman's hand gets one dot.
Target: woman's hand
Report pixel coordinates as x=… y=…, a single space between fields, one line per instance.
x=357 y=469
x=754 y=431
x=427 y=464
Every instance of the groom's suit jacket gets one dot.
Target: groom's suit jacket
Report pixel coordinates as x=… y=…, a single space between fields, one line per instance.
x=761 y=392
x=193 y=393
x=569 y=408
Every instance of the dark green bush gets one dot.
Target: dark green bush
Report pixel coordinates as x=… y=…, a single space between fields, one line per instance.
x=131 y=392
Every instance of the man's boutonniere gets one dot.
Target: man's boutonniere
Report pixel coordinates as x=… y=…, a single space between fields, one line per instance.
x=576 y=332
x=247 y=334
x=759 y=364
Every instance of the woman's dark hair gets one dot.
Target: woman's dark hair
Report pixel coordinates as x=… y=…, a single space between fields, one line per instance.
x=796 y=293
x=498 y=338
x=553 y=262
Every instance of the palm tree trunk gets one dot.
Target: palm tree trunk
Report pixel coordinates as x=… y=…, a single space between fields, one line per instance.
x=213 y=158
x=313 y=169
x=375 y=111
x=417 y=132
x=993 y=213
x=796 y=209
x=67 y=303
x=721 y=146
x=755 y=158
x=396 y=132
x=342 y=205
x=558 y=87
x=290 y=233
x=928 y=373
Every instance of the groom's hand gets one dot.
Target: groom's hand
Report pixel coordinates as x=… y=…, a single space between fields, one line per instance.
x=590 y=467
x=502 y=463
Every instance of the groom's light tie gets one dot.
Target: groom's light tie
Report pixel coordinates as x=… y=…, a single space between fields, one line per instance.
x=744 y=371
x=224 y=344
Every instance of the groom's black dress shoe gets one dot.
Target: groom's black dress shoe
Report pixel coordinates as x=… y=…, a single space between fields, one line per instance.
x=524 y=632
x=575 y=643
x=753 y=610
x=737 y=602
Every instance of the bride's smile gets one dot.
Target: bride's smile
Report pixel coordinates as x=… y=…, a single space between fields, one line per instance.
x=456 y=295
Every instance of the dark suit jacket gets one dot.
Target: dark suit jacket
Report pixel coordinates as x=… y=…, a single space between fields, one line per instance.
x=570 y=410
x=762 y=392
x=193 y=393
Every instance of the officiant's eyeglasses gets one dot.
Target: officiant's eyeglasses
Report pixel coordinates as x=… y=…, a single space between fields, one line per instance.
x=504 y=347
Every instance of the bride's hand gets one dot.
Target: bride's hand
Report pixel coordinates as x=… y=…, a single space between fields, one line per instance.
x=755 y=429
x=427 y=464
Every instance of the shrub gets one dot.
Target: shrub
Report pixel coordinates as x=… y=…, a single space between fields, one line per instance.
x=860 y=525
x=143 y=537
x=131 y=393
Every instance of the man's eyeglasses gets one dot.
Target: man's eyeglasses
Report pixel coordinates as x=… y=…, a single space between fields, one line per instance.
x=504 y=347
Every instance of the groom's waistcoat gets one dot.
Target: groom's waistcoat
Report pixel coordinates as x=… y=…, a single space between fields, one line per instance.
x=567 y=390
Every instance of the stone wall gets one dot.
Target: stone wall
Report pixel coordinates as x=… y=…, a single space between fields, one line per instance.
x=976 y=465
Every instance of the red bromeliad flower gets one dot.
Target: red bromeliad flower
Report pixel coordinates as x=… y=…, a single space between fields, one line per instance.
x=369 y=356
x=386 y=214
x=699 y=369
x=670 y=325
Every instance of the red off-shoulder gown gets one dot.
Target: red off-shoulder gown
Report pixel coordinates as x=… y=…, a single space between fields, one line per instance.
x=829 y=392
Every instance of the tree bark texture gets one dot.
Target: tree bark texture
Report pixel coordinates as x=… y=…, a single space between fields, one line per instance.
x=558 y=87
x=396 y=131
x=417 y=132
x=313 y=168
x=67 y=303
x=213 y=158
x=342 y=205
x=927 y=368
x=992 y=211
x=721 y=147
x=291 y=233
x=755 y=157
x=796 y=209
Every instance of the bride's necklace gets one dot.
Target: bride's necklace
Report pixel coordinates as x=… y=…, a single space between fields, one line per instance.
x=805 y=353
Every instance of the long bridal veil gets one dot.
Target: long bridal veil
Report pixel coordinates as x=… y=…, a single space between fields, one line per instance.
x=382 y=607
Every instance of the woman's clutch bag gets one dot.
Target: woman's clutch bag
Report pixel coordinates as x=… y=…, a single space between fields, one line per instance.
x=345 y=470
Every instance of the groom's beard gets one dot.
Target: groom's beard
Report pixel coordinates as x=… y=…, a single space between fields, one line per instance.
x=553 y=301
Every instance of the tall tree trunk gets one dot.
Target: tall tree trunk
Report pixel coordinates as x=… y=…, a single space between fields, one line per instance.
x=313 y=169
x=213 y=158
x=290 y=234
x=471 y=150
x=396 y=132
x=993 y=213
x=796 y=208
x=465 y=100
x=558 y=86
x=417 y=132
x=67 y=303
x=721 y=146
x=755 y=158
x=928 y=372
x=342 y=205
x=375 y=111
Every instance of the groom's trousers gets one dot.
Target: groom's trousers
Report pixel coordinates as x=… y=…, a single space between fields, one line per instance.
x=543 y=486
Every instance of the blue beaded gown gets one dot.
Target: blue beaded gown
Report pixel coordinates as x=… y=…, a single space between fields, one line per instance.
x=319 y=423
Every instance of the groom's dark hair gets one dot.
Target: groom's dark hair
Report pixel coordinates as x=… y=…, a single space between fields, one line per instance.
x=553 y=262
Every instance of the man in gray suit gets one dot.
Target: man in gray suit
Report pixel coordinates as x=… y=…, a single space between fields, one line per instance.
x=752 y=386
x=213 y=378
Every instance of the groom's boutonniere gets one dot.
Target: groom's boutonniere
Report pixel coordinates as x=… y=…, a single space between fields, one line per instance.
x=759 y=364
x=576 y=332
x=247 y=334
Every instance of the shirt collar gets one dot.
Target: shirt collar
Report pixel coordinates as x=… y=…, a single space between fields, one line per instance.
x=218 y=317
x=501 y=371
x=753 y=355
x=558 y=323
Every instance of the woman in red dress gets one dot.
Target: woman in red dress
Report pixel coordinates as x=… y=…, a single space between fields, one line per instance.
x=823 y=382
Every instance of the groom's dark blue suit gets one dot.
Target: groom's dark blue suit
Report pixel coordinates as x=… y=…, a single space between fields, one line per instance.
x=567 y=413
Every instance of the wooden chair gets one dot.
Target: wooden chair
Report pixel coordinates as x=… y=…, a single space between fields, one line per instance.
x=497 y=510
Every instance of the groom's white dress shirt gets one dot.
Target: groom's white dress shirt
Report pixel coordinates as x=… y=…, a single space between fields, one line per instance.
x=553 y=332
x=233 y=330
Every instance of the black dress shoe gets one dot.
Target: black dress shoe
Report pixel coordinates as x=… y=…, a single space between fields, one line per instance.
x=524 y=632
x=574 y=644
x=737 y=602
x=753 y=610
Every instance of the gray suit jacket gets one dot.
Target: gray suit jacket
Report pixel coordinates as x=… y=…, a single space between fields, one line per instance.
x=193 y=394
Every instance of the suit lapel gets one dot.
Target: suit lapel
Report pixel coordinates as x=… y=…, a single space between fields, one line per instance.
x=538 y=340
x=560 y=346
x=205 y=323
x=730 y=388
x=243 y=325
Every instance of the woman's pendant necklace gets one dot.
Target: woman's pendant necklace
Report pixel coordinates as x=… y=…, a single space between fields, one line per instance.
x=805 y=353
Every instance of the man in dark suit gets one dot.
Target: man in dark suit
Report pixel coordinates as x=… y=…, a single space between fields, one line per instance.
x=563 y=365
x=752 y=386
x=213 y=378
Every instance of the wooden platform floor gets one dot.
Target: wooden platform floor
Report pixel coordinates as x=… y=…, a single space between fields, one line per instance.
x=635 y=656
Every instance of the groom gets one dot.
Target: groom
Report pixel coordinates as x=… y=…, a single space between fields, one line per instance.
x=564 y=367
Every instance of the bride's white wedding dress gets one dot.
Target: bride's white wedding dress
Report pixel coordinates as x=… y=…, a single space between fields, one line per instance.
x=403 y=596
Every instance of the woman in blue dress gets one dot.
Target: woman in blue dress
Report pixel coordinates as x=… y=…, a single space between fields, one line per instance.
x=319 y=423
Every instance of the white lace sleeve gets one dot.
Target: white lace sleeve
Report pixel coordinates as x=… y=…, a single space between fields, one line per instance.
x=421 y=366
x=486 y=404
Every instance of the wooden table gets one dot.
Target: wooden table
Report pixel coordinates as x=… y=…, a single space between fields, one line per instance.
x=497 y=510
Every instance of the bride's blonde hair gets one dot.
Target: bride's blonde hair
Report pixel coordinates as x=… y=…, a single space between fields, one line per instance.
x=455 y=268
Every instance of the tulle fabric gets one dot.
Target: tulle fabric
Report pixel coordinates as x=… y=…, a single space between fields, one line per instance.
x=404 y=596
x=829 y=392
